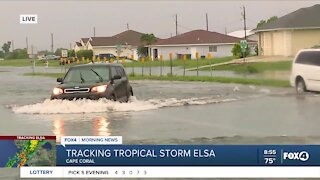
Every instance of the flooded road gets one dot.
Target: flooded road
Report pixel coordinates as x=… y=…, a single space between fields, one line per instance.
x=162 y=112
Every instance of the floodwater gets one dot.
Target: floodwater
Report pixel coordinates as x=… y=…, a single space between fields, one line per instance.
x=161 y=113
x=280 y=75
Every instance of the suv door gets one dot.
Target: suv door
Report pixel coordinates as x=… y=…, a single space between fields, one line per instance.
x=124 y=80
x=308 y=64
x=116 y=83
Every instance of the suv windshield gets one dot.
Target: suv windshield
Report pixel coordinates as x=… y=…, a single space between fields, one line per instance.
x=87 y=74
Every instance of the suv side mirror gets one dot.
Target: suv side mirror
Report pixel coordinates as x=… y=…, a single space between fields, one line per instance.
x=117 y=77
x=114 y=78
x=59 y=79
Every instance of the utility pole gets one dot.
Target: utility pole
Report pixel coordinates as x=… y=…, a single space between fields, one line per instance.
x=244 y=23
x=245 y=32
x=27 y=44
x=225 y=31
x=52 y=42
x=12 y=45
x=176 y=24
x=207 y=21
x=127 y=26
x=94 y=31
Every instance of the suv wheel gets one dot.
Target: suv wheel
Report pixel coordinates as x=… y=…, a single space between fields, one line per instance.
x=301 y=86
x=113 y=97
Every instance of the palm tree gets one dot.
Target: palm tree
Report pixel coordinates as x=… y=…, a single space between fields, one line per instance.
x=148 y=39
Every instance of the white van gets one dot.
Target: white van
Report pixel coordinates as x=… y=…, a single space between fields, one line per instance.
x=305 y=75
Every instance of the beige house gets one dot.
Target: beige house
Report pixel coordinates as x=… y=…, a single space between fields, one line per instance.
x=290 y=33
x=123 y=44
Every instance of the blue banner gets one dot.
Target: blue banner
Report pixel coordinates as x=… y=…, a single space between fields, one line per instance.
x=188 y=155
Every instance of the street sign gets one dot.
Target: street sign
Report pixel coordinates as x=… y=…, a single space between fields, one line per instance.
x=64 y=53
x=243 y=45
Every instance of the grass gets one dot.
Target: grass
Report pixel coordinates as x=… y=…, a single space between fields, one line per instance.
x=180 y=62
x=255 y=67
x=55 y=63
x=260 y=82
x=27 y=62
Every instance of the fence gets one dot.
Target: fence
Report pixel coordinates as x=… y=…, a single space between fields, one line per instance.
x=144 y=62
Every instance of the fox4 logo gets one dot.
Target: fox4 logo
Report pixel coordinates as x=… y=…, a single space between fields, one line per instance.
x=301 y=156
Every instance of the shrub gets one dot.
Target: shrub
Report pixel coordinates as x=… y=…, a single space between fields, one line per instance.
x=17 y=54
x=85 y=53
x=1 y=54
x=71 y=53
x=237 y=52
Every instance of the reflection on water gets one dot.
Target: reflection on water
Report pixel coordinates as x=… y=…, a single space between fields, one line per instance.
x=58 y=130
x=283 y=75
x=101 y=127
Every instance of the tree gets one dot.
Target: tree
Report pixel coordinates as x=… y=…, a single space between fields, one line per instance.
x=142 y=51
x=271 y=19
x=6 y=47
x=1 y=54
x=148 y=39
x=58 y=51
x=262 y=22
x=17 y=54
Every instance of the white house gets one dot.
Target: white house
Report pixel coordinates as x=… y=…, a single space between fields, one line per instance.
x=190 y=43
x=78 y=46
x=123 y=44
x=240 y=34
x=84 y=43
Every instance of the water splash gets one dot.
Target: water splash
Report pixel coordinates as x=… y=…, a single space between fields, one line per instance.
x=104 y=105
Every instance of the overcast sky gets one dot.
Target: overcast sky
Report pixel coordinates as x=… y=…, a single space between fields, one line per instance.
x=71 y=20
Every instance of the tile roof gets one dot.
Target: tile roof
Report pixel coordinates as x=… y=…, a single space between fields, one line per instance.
x=198 y=37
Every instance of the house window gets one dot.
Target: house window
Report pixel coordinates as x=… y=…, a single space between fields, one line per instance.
x=212 y=48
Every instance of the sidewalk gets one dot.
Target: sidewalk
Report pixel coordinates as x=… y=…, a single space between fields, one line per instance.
x=248 y=60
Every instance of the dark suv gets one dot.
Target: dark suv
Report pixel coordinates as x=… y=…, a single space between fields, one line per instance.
x=94 y=81
x=107 y=55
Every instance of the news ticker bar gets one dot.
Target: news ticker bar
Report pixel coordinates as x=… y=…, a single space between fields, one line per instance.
x=170 y=172
x=188 y=155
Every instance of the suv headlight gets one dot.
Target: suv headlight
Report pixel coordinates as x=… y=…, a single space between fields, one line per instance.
x=57 y=91
x=99 y=89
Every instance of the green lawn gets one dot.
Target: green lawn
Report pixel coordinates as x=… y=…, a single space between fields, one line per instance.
x=27 y=62
x=189 y=63
x=264 y=82
x=255 y=67
x=179 y=62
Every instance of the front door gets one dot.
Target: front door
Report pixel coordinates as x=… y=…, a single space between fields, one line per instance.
x=155 y=53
